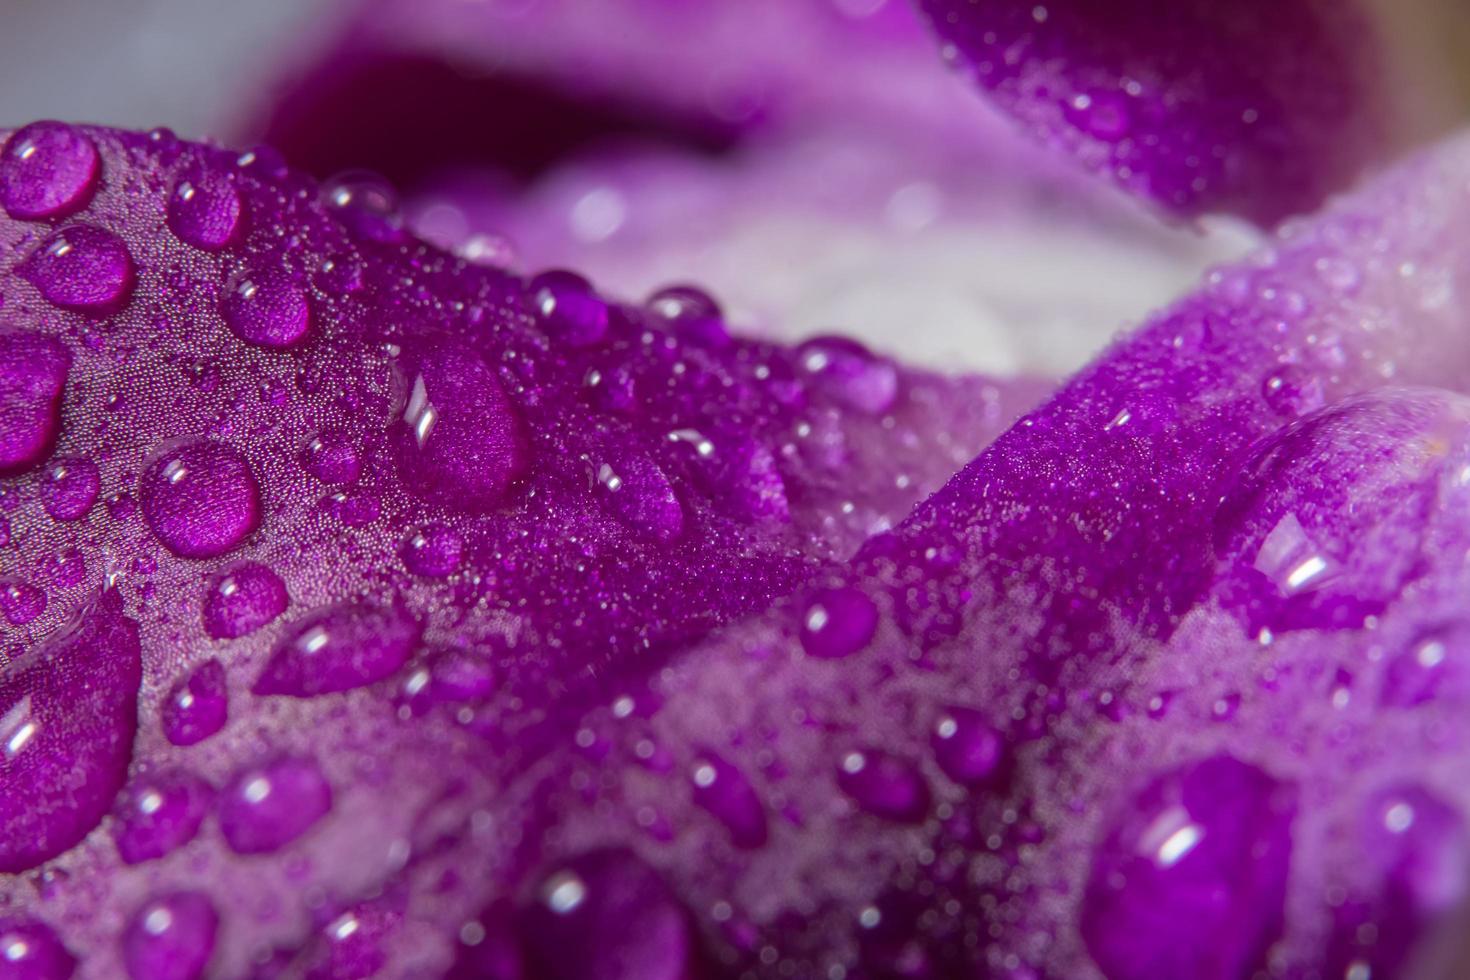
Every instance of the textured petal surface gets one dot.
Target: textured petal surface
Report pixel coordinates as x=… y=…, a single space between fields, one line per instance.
x=372 y=529
x=1259 y=108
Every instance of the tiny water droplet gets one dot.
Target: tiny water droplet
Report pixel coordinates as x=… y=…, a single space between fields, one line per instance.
x=241 y=599
x=171 y=937
x=81 y=267
x=266 y=308
x=197 y=706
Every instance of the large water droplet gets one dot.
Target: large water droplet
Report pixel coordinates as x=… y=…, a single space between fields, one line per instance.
x=884 y=785
x=171 y=937
x=204 y=209
x=33 y=373
x=639 y=493
x=333 y=458
x=838 y=623
x=81 y=267
x=241 y=599
x=1428 y=663
x=68 y=712
x=70 y=488
x=724 y=791
x=694 y=314
x=967 y=747
x=605 y=916
x=366 y=203
x=338 y=648
x=1410 y=868
x=1190 y=878
x=196 y=707
x=21 y=602
x=433 y=551
x=269 y=805
x=460 y=443
x=159 y=813
x=850 y=373
x=30 y=950
x=568 y=307
x=200 y=499
x=265 y=307
x=47 y=169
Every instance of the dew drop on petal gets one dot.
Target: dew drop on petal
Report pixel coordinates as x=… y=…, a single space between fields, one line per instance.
x=81 y=267
x=200 y=499
x=68 y=713
x=850 y=373
x=884 y=785
x=47 y=169
x=838 y=623
x=967 y=747
x=433 y=551
x=460 y=442
x=338 y=648
x=332 y=457
x=204 y=209
x=158 y=813
x=33 y=374
x=636 y=489
x=31 y=950
x=21 y=602
x=266 y=308
x=171 y=937
x=605 y=915
x=70 y=488
x=723 y=790
x=241 y=599
x=568 y=308
x=1189 y=878
x=268 y=805
x=693 y=313
x=197 y=706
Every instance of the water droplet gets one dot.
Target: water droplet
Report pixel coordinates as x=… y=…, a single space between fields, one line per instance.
x=269 y=805
x=33 y=373
x=68 y=712
x=21 y=602
x=70 y=488
x=1416 y=674
x=605 y=916
x=366 y=203
x=241 y=599
x=568 y=307
x=433 y=551
x=204 y=209
x=838 y=623
x=47 y=169
x=639 y=493
x=159 y=813
x=338 y=648
x=1292 y=390
x=81 y=267
x=1190 y=878
x=30 y=950
x=350 y=945
x=723 y=790
x=461 y=442
x=967 y=747
x=694 y=314
x=449 y=677
x=352 y=509
x=171 y=937
x=884 y=785
x=196 y=707
x=333 y=458
x=850 y=373
x=200 y=499
x=1103 y=113
x=265 y=307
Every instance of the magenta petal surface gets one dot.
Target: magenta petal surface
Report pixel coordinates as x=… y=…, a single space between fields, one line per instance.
x=1258 y=108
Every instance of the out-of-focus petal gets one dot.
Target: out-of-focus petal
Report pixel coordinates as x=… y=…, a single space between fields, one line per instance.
x=1258 y=108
